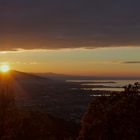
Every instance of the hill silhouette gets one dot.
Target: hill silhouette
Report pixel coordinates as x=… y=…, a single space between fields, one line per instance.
x=80 y=77
x=33 y=92
x=22 y=123
x=18 y=75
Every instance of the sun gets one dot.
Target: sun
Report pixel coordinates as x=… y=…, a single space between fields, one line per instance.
x=4 y=68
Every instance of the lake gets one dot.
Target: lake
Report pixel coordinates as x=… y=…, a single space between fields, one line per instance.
x=108 y=85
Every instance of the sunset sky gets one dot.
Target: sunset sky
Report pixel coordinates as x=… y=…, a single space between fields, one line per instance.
x=85 y=37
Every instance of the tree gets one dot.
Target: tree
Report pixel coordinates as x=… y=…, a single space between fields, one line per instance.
x=115 y=117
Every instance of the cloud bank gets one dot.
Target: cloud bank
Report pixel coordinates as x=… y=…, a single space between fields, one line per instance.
x=131 y=62
x=56 y=24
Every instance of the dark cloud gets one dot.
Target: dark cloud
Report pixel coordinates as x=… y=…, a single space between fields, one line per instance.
x=55 y=24
x=131 y=62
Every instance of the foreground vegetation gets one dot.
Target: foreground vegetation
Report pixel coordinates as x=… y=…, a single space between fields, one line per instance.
x=115 y=117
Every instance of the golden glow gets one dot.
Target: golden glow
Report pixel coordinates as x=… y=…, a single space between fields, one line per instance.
x=96 y=62
x=4 y=68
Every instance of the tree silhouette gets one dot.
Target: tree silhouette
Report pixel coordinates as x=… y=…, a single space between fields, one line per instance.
x=115 y=117
x=132 y=89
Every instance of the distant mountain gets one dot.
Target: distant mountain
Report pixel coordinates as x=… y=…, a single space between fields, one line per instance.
x=18 y=74
x=55 y=76
x=22 y=75
x=77 y=77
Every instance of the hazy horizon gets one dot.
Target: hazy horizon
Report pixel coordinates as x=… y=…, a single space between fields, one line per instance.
x=87 y=62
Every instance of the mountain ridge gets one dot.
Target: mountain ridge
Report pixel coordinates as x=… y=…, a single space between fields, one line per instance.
x=79 y=77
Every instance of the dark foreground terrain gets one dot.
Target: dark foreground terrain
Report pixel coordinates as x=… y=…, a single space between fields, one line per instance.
x=33 y=107
x=34 y=125
x=112 y=118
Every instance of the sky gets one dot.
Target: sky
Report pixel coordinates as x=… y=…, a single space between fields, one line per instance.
x=79 y=37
